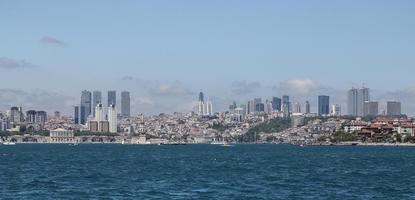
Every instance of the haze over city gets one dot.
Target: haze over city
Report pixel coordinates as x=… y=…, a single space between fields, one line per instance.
x=166 y=52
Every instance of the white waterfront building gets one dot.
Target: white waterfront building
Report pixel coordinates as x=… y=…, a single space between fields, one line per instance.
x=61 y=136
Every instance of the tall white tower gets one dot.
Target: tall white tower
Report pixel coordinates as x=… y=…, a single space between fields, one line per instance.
x=99 y=115
x=209 y=108
x=112 y=119
x=201 y=108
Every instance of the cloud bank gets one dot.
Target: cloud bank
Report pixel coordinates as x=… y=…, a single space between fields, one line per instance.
x=51 y=41
x=10 y=64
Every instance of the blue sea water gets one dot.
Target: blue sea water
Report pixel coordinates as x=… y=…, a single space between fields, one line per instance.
x=38 y=171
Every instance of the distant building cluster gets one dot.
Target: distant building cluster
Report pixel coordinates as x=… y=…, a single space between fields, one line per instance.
x=360 y=104
x=92 y=113
x=205 y=108
x=14 y=118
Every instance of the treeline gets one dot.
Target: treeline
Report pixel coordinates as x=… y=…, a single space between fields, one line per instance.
x=339 y=136
x=89 y=133
x=40 y=132
x=271 y=126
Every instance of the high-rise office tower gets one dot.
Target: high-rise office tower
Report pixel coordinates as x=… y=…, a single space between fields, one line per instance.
x=125 y=104
x=76 y=115
x=258 y=105
x=276 y=103
x=371 y=108
x=336 y=110
x=112 y=119
x=99 y=116
x=356 y=101
x=323 y=105
x=112 y=98
x=252 y=107
x=268 y=107
x=201 y=104
x=31 y=116
x=362 y=97
x=86 y=99
x=352 y=101
x=394 y=108
x=307 y=107
x=15 y=114
x=96 y=99
x=99 y=112
x=297 y=107
x=209 y=108
x=233 y=106
x=201 y=97
x=41 y=117
x=286 y=102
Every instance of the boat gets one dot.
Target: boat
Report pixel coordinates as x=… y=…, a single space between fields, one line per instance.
x=227 y=145
x=73 y=144
x=218 y=142
x=9 y=143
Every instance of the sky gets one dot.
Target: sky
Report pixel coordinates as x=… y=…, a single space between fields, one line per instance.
x=164 y=52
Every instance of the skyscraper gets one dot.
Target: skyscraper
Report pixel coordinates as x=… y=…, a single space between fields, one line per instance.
x=362 y=97
x=31 y=116
x=371 y=108
x=394 y=108
x=259 y=106
x=276 y=103
x=125 y=104
x=356 y=101
x=336 y=110
x=112 y=119
x=112 y=98
x=76 y=115
x=307 y=107
x=201 y=97
x=323 y=105
x=99 y=116
x=297 y=107
x=352 y=101
x=96 y=99
x=86 y=99
x=209 y=108
x=201 y=104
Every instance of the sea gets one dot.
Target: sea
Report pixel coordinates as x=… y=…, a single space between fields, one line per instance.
x=111 y=171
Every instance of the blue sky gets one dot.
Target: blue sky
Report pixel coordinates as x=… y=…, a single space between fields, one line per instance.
x=166 y=51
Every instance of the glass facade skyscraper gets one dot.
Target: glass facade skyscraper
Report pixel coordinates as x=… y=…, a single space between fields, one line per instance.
x=86 y=99
x=112 y=98
x=323 y=105
x=96 y=99
x=125 y=104
x=276 y=104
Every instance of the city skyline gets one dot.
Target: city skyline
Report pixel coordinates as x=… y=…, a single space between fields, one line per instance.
x=164 y=57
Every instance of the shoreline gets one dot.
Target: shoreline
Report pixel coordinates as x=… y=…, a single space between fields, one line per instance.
x=181 y=144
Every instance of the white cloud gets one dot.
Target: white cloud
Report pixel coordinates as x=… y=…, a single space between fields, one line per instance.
x=51 y=40
x=245 y=87
x=298 y=86
x=8 y=63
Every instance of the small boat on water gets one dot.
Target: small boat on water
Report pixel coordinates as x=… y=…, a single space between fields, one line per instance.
x=227 y=145
x=73 y=144
x=9 y=143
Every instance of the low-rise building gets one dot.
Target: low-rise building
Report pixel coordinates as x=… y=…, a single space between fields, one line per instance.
x=62 y=136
